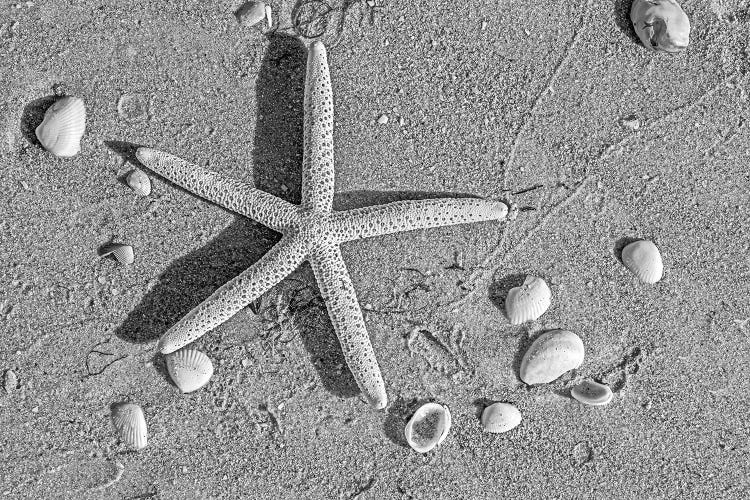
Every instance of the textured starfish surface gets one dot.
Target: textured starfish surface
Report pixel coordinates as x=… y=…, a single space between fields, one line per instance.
x=311 y=231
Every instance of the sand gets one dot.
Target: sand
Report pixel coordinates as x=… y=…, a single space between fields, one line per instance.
x=495 y=98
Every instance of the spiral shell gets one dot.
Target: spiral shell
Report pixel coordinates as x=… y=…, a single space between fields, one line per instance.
x=139 y=182
x=643 y=259
x=190 y=369
x=661 y=24
x=528 y=301
x=121 y=252
x=500 y=417
x=63 y=126
x=550 y=356
x=428 y=427
x=592 y=393
x=130 y=424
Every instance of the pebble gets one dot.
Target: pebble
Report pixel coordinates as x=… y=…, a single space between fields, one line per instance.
x=383 y=119
x=500 y=417
x=593 y=393
x=631 y=122
x=581 y=454
x=10 y=381
x=133 y=107
x=550 y=356
x=251 y=13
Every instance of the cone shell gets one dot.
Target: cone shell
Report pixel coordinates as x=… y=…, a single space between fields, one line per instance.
x=644 y=260
x=528 y=301
x=139 y=182
x=661 y=24
x=63 y=126
x=593 y=393
x=550 y=356
x=130 y=424
x=190 y=369
x=428 y=427
x=121 y=252
x=500 y=417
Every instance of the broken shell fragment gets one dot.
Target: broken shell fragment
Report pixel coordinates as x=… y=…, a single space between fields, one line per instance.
x=500 y=417
x=269 y=17
x=251 y=13
x=190 y=369
x=139 y=182
x=643 y=259
x=550 y=356
x=528 y=301
x=121 y=252
x=428 y=427
x=130 y=424
x=593 y=393
x=63 y=126
x=661 y=24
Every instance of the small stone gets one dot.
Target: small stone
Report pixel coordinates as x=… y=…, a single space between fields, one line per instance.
x=581 y=454
x=383 y=119
x=631 y=122
x=133 y=107
x=592 y=393
x=250 y=13
x=550 y=356
x=245 y=363
x=401 y=121
x=500 y=417
x=10 y=381
x=484 y=25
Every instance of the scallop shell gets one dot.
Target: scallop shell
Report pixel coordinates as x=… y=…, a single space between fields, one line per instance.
x=428 y=427
x=500 y=417
x=592 y=393
x=644 y=260
x=130 y=423
x=121 y=252
x=528 y=301
x=551 y=355
x=661 y=24
x=251 y=13
x=190 y=369
x=63 y=126
x=139 y=182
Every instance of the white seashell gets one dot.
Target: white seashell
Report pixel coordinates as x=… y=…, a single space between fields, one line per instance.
x=251 y=13
x=130 y=424
x=190 y=369
x=644 y=260
x=500 y=417
x=661 y=24
x=428 y=427
x=551 y=355
x=592 y=393
x=528 y=301
x=10 y=381
x=63 y=126
x=121 y=252
x=269 y=18
x=139 y=182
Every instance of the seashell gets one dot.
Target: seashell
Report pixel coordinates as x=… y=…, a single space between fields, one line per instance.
x=661 y=24
x=592 y=393
x=139 y=182
x=551 y=355
x=269 y=17
x=251 y=13
x=10 y=381
x=644 y=260
x=190 y=369
x=130 y=424
x=63 y=126
x=528 y=301
x=121 y=252
x=428 y=427
x=500 y=417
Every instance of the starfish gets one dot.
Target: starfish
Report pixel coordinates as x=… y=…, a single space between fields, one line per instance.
x=311 y=231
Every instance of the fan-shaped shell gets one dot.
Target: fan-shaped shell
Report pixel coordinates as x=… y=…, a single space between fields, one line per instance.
x=643 y=259
x=528 y=301
x=121 y=252
x=130 y=424
x=592 y=393
x=428 y=427
x=139 y=182
x=63 y=126
x=190 y=369
x=551 y=355
x=500 y=417
x=661 y=24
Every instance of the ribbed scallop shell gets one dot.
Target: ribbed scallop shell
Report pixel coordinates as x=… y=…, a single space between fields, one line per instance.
x=428 y=427
x=190 y=369
x=121 y=252
x=130 y=424
x=550 y=356
x=63 y=126
x=500 y=417
x=592 y=393
x=139 y=182
x=528 y=301
x=643 y=259
x=661 y=24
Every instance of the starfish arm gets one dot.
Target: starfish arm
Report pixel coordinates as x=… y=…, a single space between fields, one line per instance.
x=346 y=316
x=225 y=302
x=317 y=163
x=418 y=214
x=230 y=193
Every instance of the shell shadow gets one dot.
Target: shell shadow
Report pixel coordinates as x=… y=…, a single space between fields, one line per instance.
x=33 y=115
x=621 y=14
x=498 y=289
x=524 y=342
x=479 y=406
x=620 y=244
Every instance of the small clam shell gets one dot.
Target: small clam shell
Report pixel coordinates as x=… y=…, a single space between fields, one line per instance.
x=121 y=252
x=251 y=13
x=190 y=369
x=500 y=417
x=63 y=126
x=10 y=381
x=551 y=355
x=528 y=301
x=644 y=260
x=592 y=393
x=130 y=424
x=428 y=427
x=139 y=182
x=661 y=24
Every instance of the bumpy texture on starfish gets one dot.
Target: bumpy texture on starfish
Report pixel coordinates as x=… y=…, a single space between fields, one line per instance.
x=311 y=231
